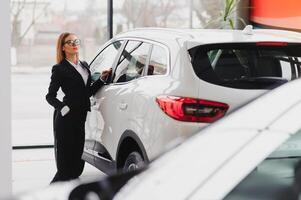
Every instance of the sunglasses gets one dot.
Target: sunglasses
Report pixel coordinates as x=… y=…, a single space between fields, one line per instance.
x=75 y=42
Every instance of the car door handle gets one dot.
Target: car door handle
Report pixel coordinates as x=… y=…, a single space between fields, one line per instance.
x=123 y=106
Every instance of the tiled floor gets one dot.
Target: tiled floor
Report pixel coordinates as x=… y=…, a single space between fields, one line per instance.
x=33 y=169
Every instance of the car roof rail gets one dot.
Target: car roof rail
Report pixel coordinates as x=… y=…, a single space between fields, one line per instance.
x=248 y=30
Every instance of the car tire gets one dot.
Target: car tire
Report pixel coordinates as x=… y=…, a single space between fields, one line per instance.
x=133 y=162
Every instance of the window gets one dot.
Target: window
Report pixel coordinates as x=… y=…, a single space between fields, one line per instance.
x=158 y=61
x=247 y=66
x=105 y=59
x=35 y=29
x=276 y=176
x=132 y=62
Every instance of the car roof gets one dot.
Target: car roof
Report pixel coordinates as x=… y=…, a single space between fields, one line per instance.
x=195 y=37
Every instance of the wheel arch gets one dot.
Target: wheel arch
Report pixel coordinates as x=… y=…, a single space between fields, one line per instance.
x=128 y=142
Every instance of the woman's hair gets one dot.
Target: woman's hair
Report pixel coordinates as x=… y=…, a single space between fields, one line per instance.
x=60 y=54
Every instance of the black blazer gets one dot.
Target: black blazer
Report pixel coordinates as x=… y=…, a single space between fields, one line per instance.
x=77 y=94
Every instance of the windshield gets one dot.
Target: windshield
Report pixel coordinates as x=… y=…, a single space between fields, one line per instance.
x=248 y=65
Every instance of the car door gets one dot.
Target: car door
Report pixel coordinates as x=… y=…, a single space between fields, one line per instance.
x=113 y=102
x=146 y=117
x=95 y=122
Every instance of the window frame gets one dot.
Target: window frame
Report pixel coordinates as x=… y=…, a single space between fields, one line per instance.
x=205 y=48
x=167 y=62
x=151 y=42
x=106 y=45
x=146 y=63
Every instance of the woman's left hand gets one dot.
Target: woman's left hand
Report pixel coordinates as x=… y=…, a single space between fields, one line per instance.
x=105 y=74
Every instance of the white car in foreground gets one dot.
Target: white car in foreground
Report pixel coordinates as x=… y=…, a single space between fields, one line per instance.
x=169 y=83
x=254 y=153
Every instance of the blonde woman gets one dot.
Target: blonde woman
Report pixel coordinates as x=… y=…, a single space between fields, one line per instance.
x=74 y=78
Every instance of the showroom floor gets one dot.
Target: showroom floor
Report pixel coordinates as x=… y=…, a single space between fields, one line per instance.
x=33 y=169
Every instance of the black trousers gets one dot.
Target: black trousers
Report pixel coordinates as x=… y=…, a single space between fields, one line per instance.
x=69 y=137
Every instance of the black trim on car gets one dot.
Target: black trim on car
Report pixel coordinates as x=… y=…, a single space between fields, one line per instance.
x=102 y=151
x=106 y=166
x=89 y=158
x=103 y=161
x=132 y=135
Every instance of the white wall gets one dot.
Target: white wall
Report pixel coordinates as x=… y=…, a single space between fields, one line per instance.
x=5 y=102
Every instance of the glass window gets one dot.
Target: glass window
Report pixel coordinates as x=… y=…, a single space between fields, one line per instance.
x=276 y=176
x=247 y=66
x=105 y=59
x=132 y=62
x=131 y=14
x=35 y=28
x=158 y=61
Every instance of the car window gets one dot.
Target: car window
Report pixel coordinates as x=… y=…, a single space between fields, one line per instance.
x=105 y=59
x=247 y=66
x=158 y=61
x=276 y=176
x=132 y=62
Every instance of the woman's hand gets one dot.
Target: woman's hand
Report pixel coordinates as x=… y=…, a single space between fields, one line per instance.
x=105 y=74
x=65 y=110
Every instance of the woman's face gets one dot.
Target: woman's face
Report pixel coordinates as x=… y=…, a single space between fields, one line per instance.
x=71 y=45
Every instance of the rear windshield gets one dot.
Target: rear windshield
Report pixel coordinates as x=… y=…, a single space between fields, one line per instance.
x=247 y=66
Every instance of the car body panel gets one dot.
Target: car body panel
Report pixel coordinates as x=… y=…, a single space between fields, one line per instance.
x=211 y=163
x=115 y=112
x=284 y=100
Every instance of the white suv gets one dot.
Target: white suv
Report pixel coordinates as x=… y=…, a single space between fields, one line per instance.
x=169 y=83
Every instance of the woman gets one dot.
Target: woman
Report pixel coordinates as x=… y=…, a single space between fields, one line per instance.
x=74 y=78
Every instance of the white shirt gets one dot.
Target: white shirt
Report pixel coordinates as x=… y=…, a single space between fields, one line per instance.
x=81 y=70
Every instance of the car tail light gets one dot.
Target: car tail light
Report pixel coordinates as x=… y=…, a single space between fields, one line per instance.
x=271 y=44
x=192 y=110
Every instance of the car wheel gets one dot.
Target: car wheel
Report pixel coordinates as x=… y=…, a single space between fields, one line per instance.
x=133 y=161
